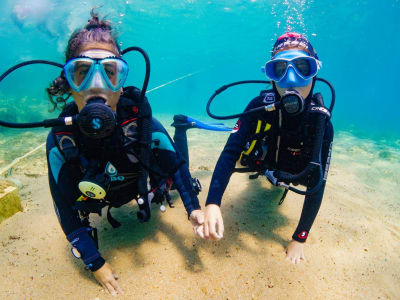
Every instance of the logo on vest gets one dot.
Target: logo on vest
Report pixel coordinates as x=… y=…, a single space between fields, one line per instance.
x=113 y=173
x=97 y=124
x=269 y=98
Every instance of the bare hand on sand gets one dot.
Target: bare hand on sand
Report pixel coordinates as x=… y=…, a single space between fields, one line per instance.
x=213 y=223
x=197 y=220
x=295 y=252
x=108 y=279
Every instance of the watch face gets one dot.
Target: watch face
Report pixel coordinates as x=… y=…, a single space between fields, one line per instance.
x=75 y=252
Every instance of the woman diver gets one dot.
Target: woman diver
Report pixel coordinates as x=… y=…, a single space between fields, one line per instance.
x=90 y=168
x=283 y=131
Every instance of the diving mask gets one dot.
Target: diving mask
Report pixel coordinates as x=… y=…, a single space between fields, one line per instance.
x=85 y=72
x=292 y=68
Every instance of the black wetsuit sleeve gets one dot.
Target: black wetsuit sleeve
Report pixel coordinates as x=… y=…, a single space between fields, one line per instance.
x=231 y=153
x=312 y=203
x=170 y=162
x=63 y=182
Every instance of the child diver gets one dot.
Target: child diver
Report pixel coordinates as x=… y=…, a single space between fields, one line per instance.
x=89 y=167
x=283 y=131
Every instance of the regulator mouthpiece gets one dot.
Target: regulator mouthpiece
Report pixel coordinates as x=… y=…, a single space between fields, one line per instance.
x=96 y=120
x=292 y=103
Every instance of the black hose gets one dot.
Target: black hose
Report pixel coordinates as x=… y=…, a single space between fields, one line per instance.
x=144 y=213
x=30 y=62
x=145 y=150
x=45 y=123
x=223 y=88
x=255 y=110
x=332 y=92
x=147 y=60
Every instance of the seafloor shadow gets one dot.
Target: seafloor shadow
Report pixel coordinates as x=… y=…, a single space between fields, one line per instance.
x=254 y=211
x=132 y=233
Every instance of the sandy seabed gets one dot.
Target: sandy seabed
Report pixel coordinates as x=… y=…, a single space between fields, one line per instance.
x=352 y=251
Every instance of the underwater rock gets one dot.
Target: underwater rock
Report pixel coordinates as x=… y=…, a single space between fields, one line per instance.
x=10 y=202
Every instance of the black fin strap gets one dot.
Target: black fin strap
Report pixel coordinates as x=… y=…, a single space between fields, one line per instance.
x=283 y=197
x=94 y=236
x=114 y=223
x=254 y=176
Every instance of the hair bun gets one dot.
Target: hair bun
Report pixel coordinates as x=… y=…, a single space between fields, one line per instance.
x=96 y=23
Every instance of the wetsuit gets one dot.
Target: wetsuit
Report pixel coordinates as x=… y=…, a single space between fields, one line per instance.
x=65 y=175
x=292 y=156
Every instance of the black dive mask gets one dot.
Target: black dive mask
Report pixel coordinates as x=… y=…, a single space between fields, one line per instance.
x=292 y=103
x=96 y=120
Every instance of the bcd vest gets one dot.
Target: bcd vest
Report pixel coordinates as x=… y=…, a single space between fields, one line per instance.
x=83 y=154
x=274 y=145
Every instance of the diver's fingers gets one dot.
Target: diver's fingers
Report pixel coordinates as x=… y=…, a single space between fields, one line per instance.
x=116 y=284
x=220 y=228
x=290 y=259
x=303 y=257
x=116 y=287
x=200 y=218
x=200 y=231
x=110 y=289
x=206 y=230
x=115 y=275
x=212 y=230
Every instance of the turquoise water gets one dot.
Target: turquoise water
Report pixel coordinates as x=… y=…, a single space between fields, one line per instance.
x=220 y=42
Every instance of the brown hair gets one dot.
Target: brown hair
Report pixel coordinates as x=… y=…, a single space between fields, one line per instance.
x=96 y=30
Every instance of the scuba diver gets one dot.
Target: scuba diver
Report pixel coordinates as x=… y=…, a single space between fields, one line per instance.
x=285 y=133
x=105 y=148
x=105 y=160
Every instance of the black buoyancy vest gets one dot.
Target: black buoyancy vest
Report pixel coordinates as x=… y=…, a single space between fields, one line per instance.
x=123 y=143
x=277 y=144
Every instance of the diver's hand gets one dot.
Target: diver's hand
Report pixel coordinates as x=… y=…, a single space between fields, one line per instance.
x=213 y=223
x=295 y=252
x=197 y=219
x=108 y=279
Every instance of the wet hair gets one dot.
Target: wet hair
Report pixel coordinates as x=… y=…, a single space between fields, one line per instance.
x=96 y=30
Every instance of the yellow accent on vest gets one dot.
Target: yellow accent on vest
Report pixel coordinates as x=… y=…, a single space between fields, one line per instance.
x=253 y=142
x=267 y=127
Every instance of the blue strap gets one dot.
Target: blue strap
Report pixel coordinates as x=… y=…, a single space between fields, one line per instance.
x=81 y=240
x=208 y=126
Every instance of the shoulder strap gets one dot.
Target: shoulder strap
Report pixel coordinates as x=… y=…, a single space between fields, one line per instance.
x=65 y=136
